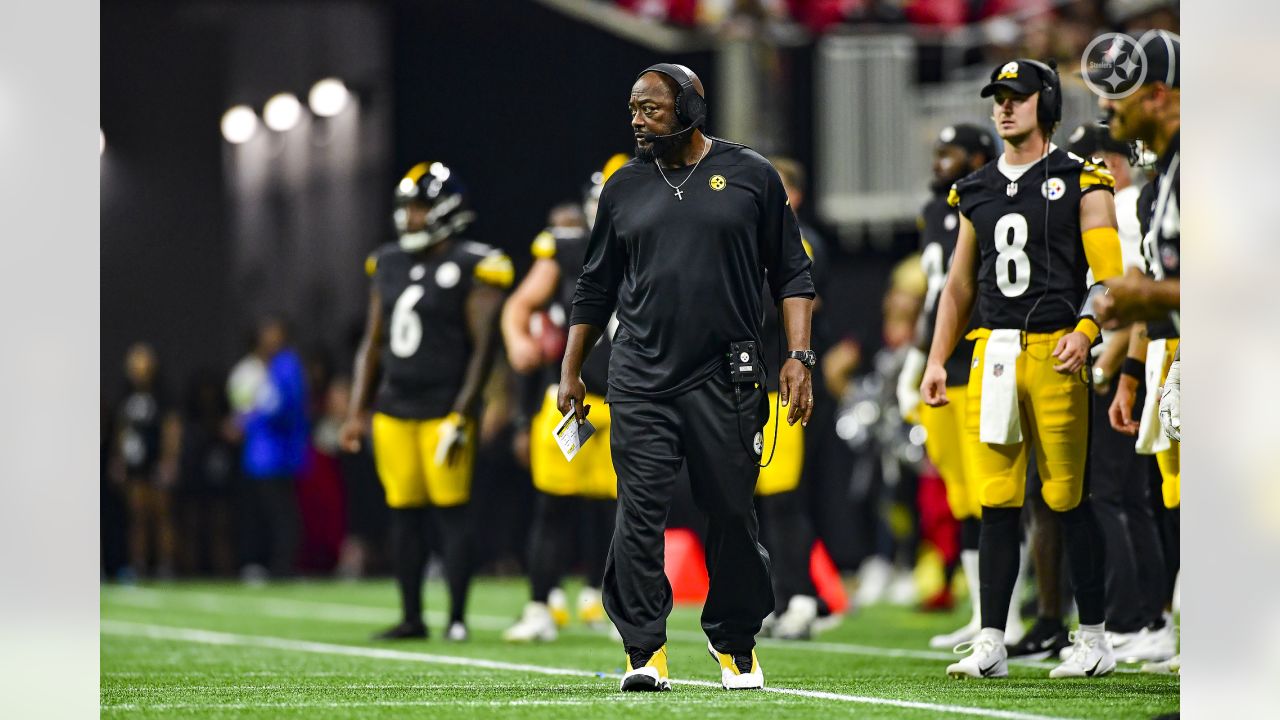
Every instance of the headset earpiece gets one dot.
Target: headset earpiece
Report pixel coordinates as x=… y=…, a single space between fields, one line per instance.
x=691 y=108
x=1049 y=107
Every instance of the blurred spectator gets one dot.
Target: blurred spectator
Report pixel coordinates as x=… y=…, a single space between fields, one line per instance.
x=268 y=391
x=208 y=477
x=113 y=513
x=145 y=463
x=1136 y=15
x=320 y=488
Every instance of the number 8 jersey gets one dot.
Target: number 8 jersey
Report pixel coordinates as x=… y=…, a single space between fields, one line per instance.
x=425 y=342
x=1025 y=281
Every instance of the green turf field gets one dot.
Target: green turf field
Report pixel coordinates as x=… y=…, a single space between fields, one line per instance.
x=302 y=650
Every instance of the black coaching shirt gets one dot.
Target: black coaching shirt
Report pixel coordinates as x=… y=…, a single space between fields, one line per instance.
x=426 y=344
x=1032 y=265
x=687 y=275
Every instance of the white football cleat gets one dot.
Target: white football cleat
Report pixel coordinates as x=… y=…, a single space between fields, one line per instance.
x=952 y=639
x=1172 y=666
x=1090 y=655
x=797 y=622
x=1149 y=645
x=591 y=608
x=558 y=603
x=535 y=625
x=987 y=656
x=457 y=632
x=902 y=589
x=873 y=581
x=736 y=671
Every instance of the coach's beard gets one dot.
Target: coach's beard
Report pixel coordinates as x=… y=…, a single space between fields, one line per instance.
x=669 y=150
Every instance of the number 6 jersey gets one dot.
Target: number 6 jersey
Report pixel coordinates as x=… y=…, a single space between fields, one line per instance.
x=1024 y=281
x=425 y=343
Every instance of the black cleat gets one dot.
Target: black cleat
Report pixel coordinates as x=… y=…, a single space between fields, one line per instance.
x=1044 y=640
x=403 y=631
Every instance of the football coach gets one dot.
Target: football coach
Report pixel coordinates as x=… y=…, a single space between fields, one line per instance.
x=687 y=236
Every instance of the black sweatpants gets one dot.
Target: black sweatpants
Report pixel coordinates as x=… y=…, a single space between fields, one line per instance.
x=1122 y=504
x=649 y=440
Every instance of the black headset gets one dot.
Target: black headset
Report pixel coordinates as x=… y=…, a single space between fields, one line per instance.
x=691 y=108
x=1049 y=108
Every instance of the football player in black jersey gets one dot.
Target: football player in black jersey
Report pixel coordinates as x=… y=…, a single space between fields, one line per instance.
x=960 y=149
x=1032 y=225
x=432 y=331
x=573 y=496
x=1152 y=114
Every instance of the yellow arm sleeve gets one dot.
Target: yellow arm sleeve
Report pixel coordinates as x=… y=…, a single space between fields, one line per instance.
x=1102 y=250
x=1089 y=328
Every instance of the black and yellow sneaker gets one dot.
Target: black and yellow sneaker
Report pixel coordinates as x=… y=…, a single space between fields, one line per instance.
x=738 y=671
x=646 y=672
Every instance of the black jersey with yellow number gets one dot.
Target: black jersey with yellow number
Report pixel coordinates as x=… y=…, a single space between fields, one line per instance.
x=939 y=228
x=1031 y=260
x=426 y=344
x=569 y=251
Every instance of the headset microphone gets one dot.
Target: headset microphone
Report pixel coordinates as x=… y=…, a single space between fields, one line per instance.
x=650 y=137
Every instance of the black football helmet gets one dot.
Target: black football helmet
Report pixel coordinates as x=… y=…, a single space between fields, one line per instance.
x=435 y=186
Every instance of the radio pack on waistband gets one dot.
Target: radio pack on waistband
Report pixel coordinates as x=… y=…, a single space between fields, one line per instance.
x=744 y=362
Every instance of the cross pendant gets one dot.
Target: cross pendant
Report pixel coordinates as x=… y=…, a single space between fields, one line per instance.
x=679 y=195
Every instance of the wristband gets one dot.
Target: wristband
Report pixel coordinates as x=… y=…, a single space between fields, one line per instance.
x=1134 y=368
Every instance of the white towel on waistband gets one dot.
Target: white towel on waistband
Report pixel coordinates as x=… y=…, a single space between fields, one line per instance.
x=1001 y=423
x=1151 y=439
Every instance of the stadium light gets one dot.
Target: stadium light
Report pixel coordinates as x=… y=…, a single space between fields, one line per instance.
x=239 y=124
x=282 y=112
x=328 y=97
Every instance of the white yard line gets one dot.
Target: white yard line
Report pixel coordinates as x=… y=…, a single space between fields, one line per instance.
x=362 y=614
x=160 y=632
x=168 y=707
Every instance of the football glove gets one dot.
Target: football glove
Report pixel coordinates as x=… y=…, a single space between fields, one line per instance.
x=909 y=384
x=452 y=438
x=1171 y=402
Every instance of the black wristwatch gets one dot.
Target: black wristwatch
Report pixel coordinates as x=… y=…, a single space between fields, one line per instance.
x=806 y=357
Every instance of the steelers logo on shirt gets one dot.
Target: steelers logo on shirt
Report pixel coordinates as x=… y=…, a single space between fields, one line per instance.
x=1053 y=188
x=949 y=222
x=757 y=444
x=717 y=182
x=448 y=275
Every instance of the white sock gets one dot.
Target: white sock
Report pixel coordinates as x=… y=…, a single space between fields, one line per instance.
x=1098 y=629
x=969 y=562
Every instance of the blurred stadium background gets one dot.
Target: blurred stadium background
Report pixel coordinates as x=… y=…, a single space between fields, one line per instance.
x=249 y=151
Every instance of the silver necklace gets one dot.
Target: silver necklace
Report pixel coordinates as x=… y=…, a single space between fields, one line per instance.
x=680 y=195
